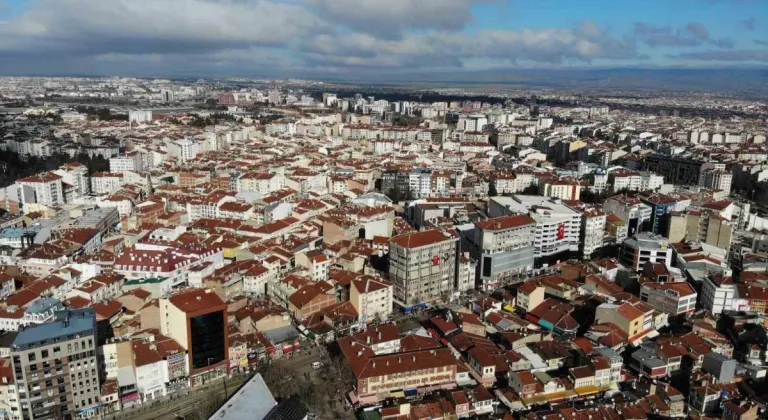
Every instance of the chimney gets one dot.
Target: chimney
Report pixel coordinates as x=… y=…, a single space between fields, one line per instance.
x=379 y=335
x=368 y=339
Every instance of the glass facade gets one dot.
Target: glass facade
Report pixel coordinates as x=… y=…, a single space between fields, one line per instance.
x=207 y=339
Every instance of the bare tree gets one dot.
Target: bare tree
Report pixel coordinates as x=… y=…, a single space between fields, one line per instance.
x=280 y=379
x=205 y=407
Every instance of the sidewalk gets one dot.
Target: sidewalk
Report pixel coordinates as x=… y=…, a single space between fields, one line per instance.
x=159 y=403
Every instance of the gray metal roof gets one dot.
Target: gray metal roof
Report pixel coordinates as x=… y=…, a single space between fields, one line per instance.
x=68 y=323
x=252 y=401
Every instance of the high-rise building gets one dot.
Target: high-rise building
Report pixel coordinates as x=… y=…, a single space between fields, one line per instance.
x=55 y=368
x=558 y=227
x=716 y=177
x=644 y=247
x=45 y=189
x=506 y=248
x=166 y=95
x=140 y=115
x=197 y=320
x=422 y=266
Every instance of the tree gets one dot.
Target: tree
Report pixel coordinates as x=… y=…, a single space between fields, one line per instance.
x=397 y=195
x=531 y=190
x=590 y=197
x=204 y=408
x=280 y=379
x=492 y=189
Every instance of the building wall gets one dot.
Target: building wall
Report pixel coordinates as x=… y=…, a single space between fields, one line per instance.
x=73 y=366
x=415 y=277
x=173 y=323
x=378 y=303
x=424 y=377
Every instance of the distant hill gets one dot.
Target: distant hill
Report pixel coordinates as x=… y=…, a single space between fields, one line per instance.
x=739 y=82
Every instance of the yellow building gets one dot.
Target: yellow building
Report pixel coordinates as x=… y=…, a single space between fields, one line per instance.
x=529 y=296
x=625 y=316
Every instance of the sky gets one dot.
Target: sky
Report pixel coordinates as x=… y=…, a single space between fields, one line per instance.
x=296 y=38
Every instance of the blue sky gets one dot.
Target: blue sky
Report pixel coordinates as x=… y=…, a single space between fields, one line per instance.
x=375 y=36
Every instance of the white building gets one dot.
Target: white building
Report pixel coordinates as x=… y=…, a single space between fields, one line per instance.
x=558 y=227
x=45 y=189
x=716 y=177
x=505 y=247
x=592 y=229
x=260 y=182
x=76 y=175
x=673 y=299
x=717 y=293
x=472 y=123
x=650 y=181
x=106 y=182
x=645 y=247
x=140 y=116
x=371 y=297
x=183 y=150
x=625 y=179
x=131 y=161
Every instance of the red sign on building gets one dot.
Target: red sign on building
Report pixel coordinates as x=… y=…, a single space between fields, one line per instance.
x=560 y=232
x=435 y=260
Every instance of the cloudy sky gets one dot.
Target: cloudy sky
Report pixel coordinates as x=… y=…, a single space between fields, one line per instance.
x=305 y=37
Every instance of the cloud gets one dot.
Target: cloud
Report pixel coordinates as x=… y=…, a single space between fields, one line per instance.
x=761 y=42
x=750 y=24
x=150 y=26
x=302 y=36
x=583 y=43
x=720 y=55
x=643 y=28
x=694 y=34
x=392 y=18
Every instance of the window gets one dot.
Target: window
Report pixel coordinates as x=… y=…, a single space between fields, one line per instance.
x=31 y=357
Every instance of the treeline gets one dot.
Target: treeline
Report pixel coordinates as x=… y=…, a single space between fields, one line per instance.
x=104 y=114
x=12 y=167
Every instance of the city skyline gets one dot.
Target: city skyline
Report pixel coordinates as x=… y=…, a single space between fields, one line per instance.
x=374 y=39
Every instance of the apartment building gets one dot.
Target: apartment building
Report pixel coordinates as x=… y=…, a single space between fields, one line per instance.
x=45 y=189
x=505 y=248
x=55 y=367
x=715 y=176
x=564 y=188
x=131 y=161
x=259 y=182
x=717 y=293
x=423 y=266
x=671 y=298
x=371 y=297
x=592 y=228
x=379 y=376
x=558 y=227
x=644 y=247
x=106 y=182
x=625 y=316
x=76 y=175
x=635 y=214
x=197 y=320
